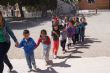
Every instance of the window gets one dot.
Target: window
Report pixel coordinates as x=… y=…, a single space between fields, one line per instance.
x=91 y=1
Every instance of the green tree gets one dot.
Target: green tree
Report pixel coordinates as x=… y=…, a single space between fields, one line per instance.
x=42 y=5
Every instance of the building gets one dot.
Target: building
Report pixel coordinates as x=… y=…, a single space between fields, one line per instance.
x=93 y=4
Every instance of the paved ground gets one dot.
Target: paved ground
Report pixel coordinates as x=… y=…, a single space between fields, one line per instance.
x=81 y=65
x=96 y=42
x=92 y=57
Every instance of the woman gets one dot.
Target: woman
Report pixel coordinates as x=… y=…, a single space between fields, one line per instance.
x=5 y=33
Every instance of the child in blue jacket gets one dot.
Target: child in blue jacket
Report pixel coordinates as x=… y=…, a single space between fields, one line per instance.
x=28 y=45
x=82 y=27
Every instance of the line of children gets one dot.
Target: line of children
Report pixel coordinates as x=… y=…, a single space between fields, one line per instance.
x=72 y=29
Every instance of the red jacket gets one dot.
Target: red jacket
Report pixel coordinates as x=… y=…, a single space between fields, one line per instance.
x=45 y=41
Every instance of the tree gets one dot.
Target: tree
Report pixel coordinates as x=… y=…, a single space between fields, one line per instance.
x=43 y=6
x=73 y=3
x=37 y=4
x=12 y=3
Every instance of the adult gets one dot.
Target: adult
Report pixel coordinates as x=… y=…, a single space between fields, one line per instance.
x=5 y=33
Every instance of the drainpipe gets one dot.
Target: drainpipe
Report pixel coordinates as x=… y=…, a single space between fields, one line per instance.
x=109 y=4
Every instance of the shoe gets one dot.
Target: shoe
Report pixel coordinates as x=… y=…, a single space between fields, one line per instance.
x=34 y=67
x=55 y=56
x=69 y=45
x=46 y=64
x=10 y=69
x=63 y=52
x=30 y=70
x=37 y=70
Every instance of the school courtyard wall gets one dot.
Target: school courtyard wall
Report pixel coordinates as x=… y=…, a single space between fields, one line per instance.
x=99 y=4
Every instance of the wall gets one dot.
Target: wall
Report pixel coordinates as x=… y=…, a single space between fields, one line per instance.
x=99 y=4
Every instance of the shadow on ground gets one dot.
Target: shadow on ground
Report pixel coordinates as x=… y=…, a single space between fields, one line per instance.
x=76 y=48
x=14 y=71
x=26 y=22
x=48 y=70
x=85 y=45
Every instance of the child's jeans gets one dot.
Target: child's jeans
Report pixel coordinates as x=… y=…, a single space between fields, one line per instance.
x=46 y=50
x=63 y=43
x=81 y=37
x=55 y=46
x=73 y=39
x=30 y=60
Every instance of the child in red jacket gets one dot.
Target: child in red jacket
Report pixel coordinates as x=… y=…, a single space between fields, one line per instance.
x=45 y=40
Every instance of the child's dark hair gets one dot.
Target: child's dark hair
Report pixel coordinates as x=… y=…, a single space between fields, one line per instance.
x=26 y=32
x=43 y=30
x=55 y=26
x=3 y=20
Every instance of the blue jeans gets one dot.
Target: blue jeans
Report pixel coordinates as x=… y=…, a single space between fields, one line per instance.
x=81 y=36
x=30 y=60
x=46 y=50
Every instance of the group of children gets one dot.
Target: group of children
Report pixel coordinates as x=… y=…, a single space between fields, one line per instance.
x=69 y=28
x=29 y=45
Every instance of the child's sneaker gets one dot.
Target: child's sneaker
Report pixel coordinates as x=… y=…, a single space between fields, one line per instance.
x=30 y=70
x=55 y=56
x=35 y=68
x=63 y=52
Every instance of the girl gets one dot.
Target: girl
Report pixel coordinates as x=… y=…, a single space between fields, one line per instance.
x=45 y=40
x=55 y=36
x=63 y=39
x=71 y=33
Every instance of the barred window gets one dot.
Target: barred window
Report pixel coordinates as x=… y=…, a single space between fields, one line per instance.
x=91 y=1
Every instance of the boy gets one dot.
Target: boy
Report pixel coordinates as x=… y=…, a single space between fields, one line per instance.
x=82 y=26
x=29 y=45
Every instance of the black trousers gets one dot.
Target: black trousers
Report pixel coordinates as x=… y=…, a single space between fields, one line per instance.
x=63 y=43
x=7 y=62
x=73 y=39
x=4 y=47
x=77 y=37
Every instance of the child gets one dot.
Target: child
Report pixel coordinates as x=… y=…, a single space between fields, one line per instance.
x=55 y=35
x=29 y=46
x=63 y=39
x=71 y=34
x=82 y=25
x=45 y=40
x=77 y=32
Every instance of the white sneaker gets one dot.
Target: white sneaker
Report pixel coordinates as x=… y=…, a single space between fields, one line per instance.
x=35 y=68
x=30 y=70
x=55 y=56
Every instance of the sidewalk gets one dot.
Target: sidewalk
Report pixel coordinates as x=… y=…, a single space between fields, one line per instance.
x=79 y=65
